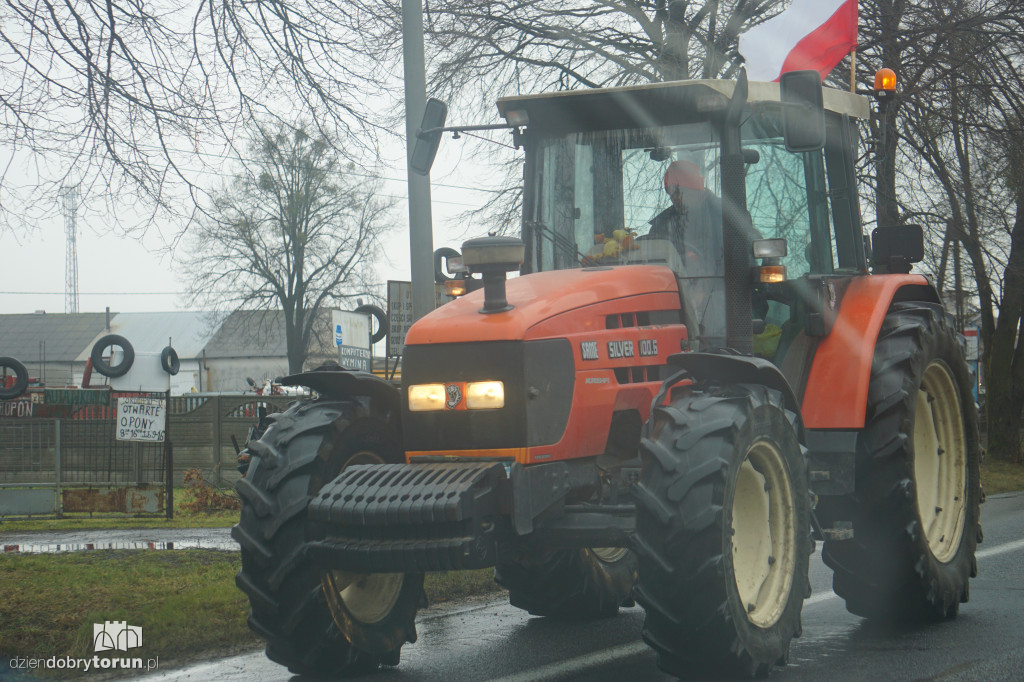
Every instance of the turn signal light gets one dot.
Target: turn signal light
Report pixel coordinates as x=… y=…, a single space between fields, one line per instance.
x=772 y=274
x=455 y=287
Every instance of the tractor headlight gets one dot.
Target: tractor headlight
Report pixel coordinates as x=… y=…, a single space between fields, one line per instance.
x=485 y=395
x=474 y=395
x=426 y=397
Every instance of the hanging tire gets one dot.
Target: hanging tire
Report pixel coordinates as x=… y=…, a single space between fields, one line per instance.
x=723 y=532
x=917 y=496
x=570 y=583
x=325 y=623
x=100 y=364
x=169 y=360
x=382 y=320
x=20 y=378
x=440 y=276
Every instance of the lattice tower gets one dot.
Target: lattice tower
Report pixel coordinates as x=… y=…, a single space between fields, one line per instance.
x=69 y=195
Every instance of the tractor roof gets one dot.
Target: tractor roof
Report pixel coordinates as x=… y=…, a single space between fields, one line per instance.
x=655 y=104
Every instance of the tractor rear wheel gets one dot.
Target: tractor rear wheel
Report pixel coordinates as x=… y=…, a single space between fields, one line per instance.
x=723 y=532
x=316 y=622
x=570 y=583
x=917 y=483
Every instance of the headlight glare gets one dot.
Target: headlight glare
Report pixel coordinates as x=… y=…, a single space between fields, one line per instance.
x=426 y=397
x=485 y=395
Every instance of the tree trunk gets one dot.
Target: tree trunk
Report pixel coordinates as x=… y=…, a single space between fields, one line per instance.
x=674 y=60
x=1004 y=371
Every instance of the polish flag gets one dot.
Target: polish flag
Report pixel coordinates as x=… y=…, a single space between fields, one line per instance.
x=811 y=34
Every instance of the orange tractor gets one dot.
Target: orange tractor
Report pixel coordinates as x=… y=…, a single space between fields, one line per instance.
x=666 y=407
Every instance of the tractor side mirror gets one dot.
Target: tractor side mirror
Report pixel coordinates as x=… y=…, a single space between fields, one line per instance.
x=803 y=111
x=896 y=247
x=428 y=137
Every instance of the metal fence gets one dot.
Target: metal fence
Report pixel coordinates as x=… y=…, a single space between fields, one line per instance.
x=64 y=466
x=74 y=464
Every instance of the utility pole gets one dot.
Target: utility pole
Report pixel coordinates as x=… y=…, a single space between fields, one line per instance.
x=69 y=195
x=421 y=238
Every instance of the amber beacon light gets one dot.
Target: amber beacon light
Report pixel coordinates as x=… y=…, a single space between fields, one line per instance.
x=885 y=84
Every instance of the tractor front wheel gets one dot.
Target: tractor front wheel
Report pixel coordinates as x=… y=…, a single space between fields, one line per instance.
x=723 y=532
x=321 y=623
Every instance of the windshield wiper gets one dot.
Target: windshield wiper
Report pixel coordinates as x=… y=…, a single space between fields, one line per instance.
x=567 y=246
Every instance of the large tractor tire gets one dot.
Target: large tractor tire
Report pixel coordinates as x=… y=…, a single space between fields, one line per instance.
x=570 y=583
x=917 y=482
x=723 y=532
x=316 y=622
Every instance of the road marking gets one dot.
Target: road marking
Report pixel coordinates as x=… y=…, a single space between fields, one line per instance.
x=1000 y=549
x=577 y=665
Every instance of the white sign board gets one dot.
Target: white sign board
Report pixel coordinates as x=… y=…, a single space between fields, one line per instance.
x=141 y=419
x=400 y=312
x=971 y=338
x=145 y=376
x=352 y=337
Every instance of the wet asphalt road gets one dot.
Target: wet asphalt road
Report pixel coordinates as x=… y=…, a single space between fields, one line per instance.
x=492 y=641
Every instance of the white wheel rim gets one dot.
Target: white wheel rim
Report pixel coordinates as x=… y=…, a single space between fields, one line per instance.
x=609 y=555
x=763 y=534
x=940 y=461
x=366 y=597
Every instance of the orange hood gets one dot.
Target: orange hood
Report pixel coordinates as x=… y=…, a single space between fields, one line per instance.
x=536 y=298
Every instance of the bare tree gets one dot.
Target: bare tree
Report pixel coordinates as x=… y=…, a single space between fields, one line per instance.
x=952 y=161
x=297 y=230
x=128 y=98
x=481 y=50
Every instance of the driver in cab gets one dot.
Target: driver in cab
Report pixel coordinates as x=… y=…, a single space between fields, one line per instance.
x=693 y=223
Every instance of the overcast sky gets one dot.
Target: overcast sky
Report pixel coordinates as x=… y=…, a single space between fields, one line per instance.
x=129 y=275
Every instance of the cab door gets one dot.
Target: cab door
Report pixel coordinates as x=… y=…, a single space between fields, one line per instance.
x=810 y=200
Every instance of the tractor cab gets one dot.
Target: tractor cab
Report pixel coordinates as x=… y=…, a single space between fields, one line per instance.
x=603 y=178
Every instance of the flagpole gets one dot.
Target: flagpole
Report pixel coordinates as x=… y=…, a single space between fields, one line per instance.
x=853 y=70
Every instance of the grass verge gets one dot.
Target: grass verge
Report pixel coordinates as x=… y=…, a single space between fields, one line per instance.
x=185 y=601
x=1000 y=476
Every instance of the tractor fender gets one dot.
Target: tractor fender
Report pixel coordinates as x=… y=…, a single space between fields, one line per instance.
x=335 y=382
x=735 y=369
x=837 y=386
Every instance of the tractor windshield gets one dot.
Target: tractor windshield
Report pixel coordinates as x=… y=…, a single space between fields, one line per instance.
x=613 y=197
x=598 y=195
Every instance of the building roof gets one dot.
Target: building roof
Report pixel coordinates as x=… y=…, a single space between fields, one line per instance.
x=70 y=337
x=64 y=335
x=187 y=331
x=259 y=334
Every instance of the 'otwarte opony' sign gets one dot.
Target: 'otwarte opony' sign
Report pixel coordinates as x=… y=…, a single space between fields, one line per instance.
x=141 y=419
